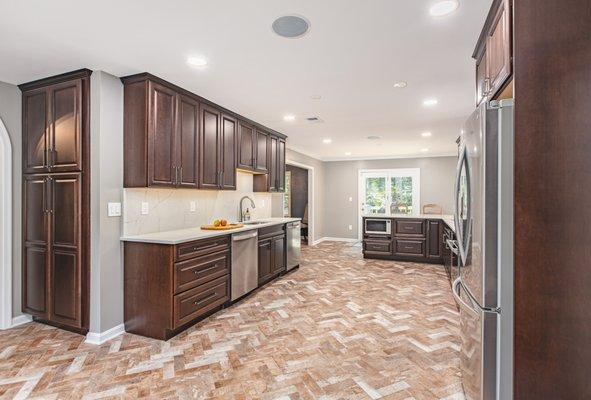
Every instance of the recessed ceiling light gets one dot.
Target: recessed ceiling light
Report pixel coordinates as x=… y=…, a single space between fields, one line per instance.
x=426 y=134
x=289 y=117
x=374 y=137
x=430 y=102
x=424 y=150
x=348 y=153
x=443 y=8
x=291 y=26
x=197 y=61
x=400 y=85
x=315 y=97
x=327 y=141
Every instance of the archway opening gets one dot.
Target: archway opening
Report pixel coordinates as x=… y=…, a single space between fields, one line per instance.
x=5 y=228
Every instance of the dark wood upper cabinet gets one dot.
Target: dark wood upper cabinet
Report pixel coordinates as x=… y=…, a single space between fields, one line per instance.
x=246 y=146
x=262 y=150
x=161 y=136
x=53 y=117
x=175 y=138
x=281 y=165
x=493 y=53
x=35 y=131
x=65 y=128
x=272 y=160
x=187 y=142
x=498 y=48
x=56 y=200
x=228 y=152
x=209 y=173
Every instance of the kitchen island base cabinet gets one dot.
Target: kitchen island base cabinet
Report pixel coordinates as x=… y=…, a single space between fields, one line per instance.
x=411 y=239
x=170 y=287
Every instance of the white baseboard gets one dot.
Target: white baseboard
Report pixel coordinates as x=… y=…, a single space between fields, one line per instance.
x=334 y=239
x=21 y=319
x=102 y=337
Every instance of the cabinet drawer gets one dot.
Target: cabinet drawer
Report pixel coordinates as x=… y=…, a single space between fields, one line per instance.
x=200 y=300
x=410 y=247
x=199 y=270
x=410 y=227
x=377 y=246
x=202 y=247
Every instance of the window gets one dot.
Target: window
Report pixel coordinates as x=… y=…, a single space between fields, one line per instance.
x=392 y=191
x=287 y=195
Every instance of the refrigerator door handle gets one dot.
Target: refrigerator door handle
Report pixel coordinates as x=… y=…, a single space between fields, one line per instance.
x=463 y=233
x=475 y=308
x=455 y=289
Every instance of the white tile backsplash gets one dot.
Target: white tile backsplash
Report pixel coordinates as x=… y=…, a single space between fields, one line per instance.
x=170 y=209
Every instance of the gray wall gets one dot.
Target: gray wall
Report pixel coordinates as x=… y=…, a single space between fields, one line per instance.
x=319 y=188
x=10 y=112
x=106 y=290
x=437 y=183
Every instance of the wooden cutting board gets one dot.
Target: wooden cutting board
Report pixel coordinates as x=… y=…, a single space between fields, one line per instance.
x=221 y=228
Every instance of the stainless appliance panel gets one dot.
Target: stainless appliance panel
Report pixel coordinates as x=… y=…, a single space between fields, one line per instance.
x=294 y=243
x=244 y=263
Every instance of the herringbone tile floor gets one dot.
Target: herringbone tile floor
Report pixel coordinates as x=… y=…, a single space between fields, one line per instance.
x=340 y=327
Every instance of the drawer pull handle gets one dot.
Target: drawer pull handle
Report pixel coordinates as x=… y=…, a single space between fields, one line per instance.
x=196 y=302
x=206 y=269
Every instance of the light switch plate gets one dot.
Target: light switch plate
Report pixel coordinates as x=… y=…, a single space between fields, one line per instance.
x=145 y=208
x=350 y=199
x=350 y=227
x=192 y=206
x=114 y=209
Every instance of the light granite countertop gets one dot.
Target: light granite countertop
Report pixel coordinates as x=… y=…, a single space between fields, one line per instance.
x=190 y=234
x=448 y=219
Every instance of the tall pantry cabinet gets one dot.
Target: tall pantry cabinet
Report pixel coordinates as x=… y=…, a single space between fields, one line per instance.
x=56 y=200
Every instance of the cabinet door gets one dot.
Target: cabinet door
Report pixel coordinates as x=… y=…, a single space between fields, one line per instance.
x=272 y=161
x=161 y=135
x=281 y=165
x=228 y=153
x=36 y=246
x=278 y=254
x=434 y=239
x=187 y=142
x=498 y=49
x=481 y=78
x=265 y=259
x=209 y=173
x=65 y=129
x=262 y=151
x=65 y=280
x=35 y=131
x=246 y=146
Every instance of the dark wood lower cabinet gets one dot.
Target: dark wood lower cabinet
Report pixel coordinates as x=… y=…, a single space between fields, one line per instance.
x=411 y=239
x=168 y=288
x=272 y=254
x=53 y=274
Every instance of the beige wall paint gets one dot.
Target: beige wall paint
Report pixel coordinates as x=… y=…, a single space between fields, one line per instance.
x=10 y=112
x=437 y=183
x=320 y=228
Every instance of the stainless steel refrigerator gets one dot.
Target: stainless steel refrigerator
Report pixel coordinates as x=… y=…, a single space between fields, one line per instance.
x=484 y=229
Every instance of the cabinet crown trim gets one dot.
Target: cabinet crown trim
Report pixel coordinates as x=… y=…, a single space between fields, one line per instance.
x=79 y=73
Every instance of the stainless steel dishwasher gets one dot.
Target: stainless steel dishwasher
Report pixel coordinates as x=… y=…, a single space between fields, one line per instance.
x=294 y=244
x=245 y=259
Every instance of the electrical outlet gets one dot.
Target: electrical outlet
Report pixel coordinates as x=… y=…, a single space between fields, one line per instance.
x=350 y=199
x=114 y=209
x=145 y=208
x=350 y=227
x=192 y=206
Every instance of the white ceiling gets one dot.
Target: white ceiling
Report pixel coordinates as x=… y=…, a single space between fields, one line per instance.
x=352 y=55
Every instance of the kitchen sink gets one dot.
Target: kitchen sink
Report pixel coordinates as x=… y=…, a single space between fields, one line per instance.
x=254 y=222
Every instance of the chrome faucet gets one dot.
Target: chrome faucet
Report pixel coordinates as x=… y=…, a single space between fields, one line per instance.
x=242 y=216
